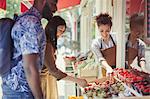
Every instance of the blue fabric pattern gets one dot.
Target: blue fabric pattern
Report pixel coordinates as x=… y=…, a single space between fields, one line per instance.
x=11 y=94
x=29 y=37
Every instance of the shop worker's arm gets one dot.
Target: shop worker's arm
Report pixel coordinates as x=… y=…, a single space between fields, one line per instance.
x=32 y=74
x=142 y=64
x=96 y=50
x=141 y=55
x=108 y=67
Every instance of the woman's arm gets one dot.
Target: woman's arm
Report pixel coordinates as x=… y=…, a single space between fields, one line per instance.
x=141 y=55
x=107 y=67
x=81 y=82
x=50 y=63
x=99 y=57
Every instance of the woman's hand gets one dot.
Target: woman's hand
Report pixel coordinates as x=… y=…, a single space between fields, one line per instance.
x=82 y=82
x=109 y=70
x=144 y=69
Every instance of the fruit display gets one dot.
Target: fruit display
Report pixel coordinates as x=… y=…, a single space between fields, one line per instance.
x=106 y=89
x=127 y=76
x=135 y=79
x=143 y=87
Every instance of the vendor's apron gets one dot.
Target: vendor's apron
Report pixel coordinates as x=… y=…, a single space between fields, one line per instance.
x=110 y=56
x=131 y=54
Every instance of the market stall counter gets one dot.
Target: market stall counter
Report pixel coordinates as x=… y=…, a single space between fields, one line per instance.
x=131 y=84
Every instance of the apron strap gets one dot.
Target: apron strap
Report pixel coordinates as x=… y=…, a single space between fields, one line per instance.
x=101 y=44
x=127 y=42
x=112 y=41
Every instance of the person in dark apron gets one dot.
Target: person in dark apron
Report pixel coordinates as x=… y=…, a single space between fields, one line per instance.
x=135 y=47
x=104 y=48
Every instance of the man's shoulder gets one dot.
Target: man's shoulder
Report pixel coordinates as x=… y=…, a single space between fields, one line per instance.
x=28 y=18
x=26 y=21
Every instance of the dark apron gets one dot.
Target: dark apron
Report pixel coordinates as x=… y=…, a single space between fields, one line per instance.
x=131 y=54
x=110 y=56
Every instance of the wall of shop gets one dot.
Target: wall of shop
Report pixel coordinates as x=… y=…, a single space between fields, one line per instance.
x=86 y=25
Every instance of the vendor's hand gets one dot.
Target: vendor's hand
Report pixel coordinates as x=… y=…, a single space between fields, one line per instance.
x=82 y=82
x=96 y=81
x=109 y=71
x=144 y=69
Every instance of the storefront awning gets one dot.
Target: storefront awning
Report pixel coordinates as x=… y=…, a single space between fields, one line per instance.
x=3 y=4
x=134 y=6
x=62 y=4
x=26 y=4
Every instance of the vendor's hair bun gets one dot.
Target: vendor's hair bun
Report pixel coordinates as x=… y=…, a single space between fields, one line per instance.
x=104 y=18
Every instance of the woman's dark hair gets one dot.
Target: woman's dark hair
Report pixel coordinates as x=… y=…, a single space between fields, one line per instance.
x=136 y=19
x=51 y=29
x=104 y=19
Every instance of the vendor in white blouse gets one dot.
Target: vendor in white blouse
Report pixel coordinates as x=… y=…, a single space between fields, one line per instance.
x=135 y=47
x=104 y=47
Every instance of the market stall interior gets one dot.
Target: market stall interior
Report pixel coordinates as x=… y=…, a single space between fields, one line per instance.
x=131 y=27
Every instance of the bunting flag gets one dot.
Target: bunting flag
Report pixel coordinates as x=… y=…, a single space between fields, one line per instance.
x=26 y=4
x=3 y=4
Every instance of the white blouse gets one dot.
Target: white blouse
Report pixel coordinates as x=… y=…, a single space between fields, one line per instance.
x=98 y=44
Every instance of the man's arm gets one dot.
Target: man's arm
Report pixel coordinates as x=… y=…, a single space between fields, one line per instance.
x=32 y=74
